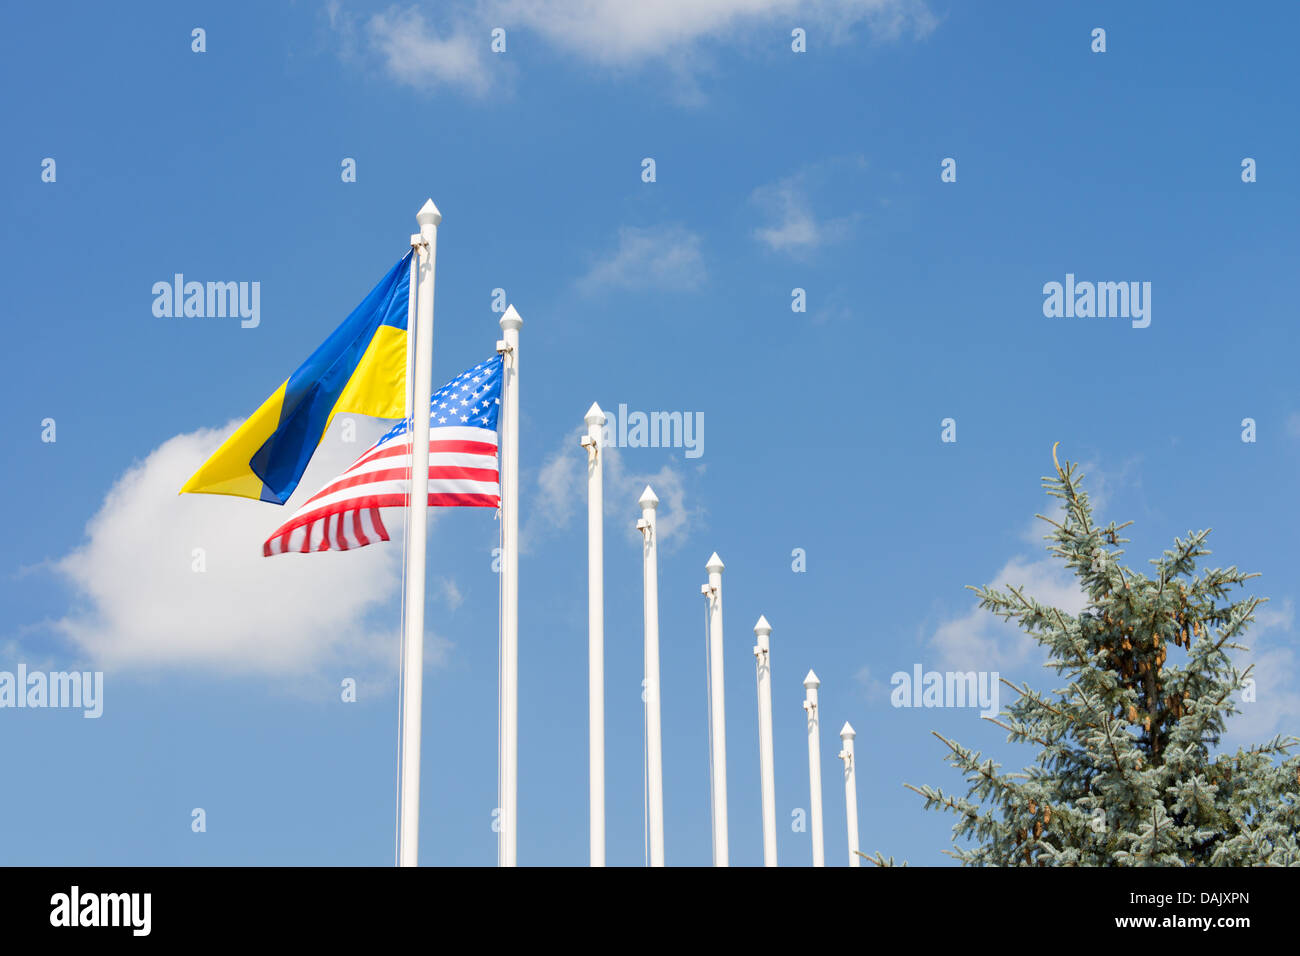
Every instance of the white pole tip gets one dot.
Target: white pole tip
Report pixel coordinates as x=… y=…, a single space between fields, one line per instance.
x=648 y=498
x=762 y=627
x=594 y=415
x=428 y=214
x=811 y=680
x=847 y=731
x=511 y=319
x=715 y=563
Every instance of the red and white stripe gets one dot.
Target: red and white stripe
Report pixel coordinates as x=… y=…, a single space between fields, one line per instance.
x=463 y=472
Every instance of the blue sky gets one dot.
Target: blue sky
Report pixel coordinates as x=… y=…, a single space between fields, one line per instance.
x=775 y=170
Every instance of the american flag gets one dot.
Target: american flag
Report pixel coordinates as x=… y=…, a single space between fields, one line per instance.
x=463 y=471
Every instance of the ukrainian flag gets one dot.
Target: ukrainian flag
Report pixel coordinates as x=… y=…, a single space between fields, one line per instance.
x=360 y=368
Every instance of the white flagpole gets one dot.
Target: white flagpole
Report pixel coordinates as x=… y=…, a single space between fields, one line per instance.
x=717 y=711
x=654 y=742
x=413 y=647
x=847 y=734
x=766 y=770
x=811 y=683
x=509 y=818
x=596 y=627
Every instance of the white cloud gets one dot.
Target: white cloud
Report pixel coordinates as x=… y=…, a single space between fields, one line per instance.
x=562 y=491
x=1101 y=485
x=140 y=604
x=622 y=32
x=451 y=46
x=873 y=688
x=793 y=225
x=664 y=257
x=450 y=591
x=1276 y=708
x=980 y=641
x=416 y=54
x=795 y=228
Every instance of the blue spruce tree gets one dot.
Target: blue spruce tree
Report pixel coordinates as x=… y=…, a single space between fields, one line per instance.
x=1128 y=771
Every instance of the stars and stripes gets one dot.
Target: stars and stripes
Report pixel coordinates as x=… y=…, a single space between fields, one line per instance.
x=463 y=471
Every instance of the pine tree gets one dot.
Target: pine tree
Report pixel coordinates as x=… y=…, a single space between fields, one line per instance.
x=1127 y=772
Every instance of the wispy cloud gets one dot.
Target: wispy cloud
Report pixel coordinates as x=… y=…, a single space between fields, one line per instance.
x=562 y=492
x=621 y=32
x=793 y=226
x=1273 y=651
x=872 y=687
x=980 y=641
x=417 y=54
x=450 y=592
x=659 y=257
x=447 y=43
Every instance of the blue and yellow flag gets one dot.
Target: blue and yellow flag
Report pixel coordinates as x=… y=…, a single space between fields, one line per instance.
x=360 y=368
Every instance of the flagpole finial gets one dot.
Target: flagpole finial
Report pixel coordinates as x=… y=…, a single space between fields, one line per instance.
x=511 y=319
x=715 y=563
x=762 y=627
x=428 y=214
x=811 y=680
x=648 y=498
x=594 y=415
x=847 y=731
